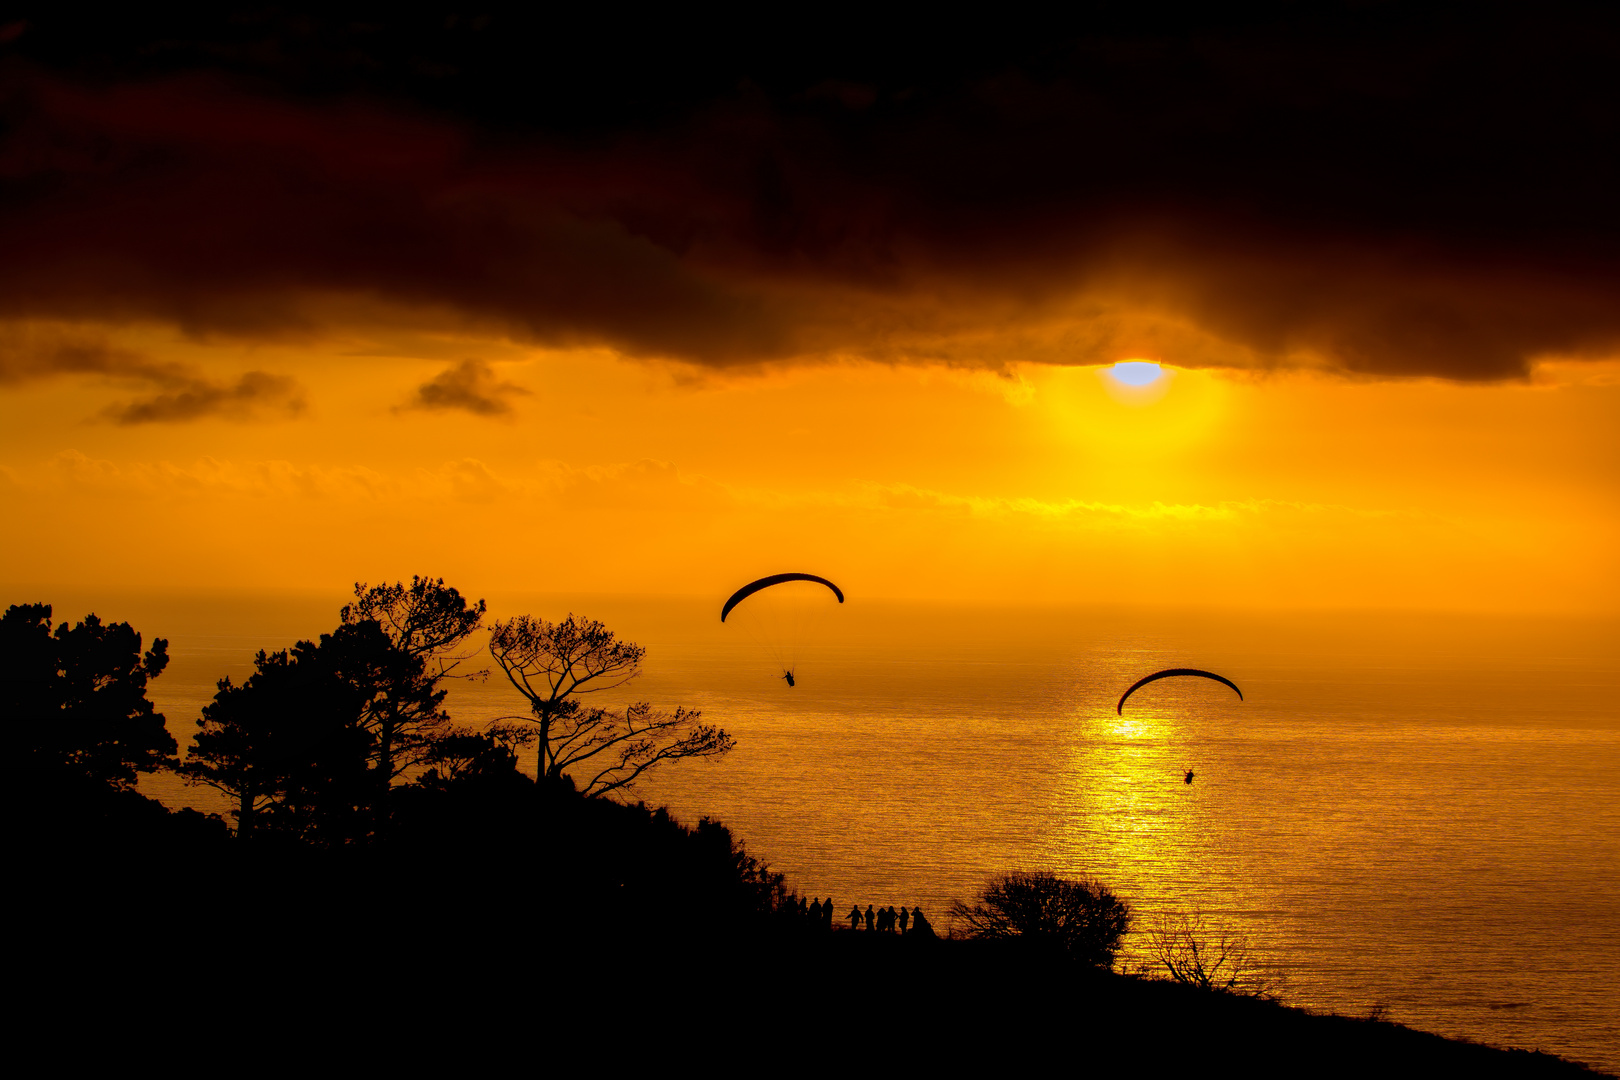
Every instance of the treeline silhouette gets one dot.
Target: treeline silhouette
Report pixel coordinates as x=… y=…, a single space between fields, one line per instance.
x=346 y=777
x=393 y=889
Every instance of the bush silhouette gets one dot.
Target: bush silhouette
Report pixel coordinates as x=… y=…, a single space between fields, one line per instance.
x=1080 y=921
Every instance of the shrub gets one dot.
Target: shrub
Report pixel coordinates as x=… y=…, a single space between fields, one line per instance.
x=1210 y=958
x=1080 y=920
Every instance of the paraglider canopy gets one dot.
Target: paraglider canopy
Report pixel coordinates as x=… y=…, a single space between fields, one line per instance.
x=775 y=579
x=1170 y=673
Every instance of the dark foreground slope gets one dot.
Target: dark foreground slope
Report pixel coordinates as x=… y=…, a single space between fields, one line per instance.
x=958 y=1004
x=539 y=932
x=494 y=995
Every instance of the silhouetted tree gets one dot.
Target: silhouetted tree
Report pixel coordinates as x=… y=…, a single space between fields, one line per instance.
x=288 y=745
x=399 y=706
x=551 y=664
x=1079 y=920
x=426 y=621
x=77 y=699
x=286 y=742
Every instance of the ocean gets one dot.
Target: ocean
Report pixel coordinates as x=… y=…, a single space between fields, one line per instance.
x=1414 y=814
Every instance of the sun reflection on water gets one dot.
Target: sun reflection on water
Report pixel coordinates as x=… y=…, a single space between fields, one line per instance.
x=1137 y=728
x=1128 y=816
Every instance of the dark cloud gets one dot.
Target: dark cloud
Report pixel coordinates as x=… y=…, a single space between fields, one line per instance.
x=469 y=385
x=29 y=352
x=256 y=395
x=1382 y=189
x=176 y=392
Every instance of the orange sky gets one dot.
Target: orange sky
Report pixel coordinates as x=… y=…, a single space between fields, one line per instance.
x=290 y=300
x=605 y=474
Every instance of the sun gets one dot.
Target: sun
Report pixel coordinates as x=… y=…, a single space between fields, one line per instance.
x=1137 y=372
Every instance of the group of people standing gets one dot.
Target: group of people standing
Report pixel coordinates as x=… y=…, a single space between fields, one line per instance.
x=887 y=920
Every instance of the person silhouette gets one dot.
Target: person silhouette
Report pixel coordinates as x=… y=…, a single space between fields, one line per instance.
x=827 y=913
x=919 y=925
x=904 y=916
x=871 y=918
x=1188 y=777
x=855 y=917
x=788 y=675
x=815 y=912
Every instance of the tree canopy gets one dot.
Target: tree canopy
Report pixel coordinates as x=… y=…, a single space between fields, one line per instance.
x=426 y=618
x=287 y=744
x=77 y=698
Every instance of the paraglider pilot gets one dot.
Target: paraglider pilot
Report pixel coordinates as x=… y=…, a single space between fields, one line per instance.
x=788 y=675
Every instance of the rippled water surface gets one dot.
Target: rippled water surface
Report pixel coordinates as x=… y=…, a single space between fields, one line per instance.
x=1418 y=813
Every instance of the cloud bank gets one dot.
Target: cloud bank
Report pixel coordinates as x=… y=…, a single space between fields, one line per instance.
x=1385 y=191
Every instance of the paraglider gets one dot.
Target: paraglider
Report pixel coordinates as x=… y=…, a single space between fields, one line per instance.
x=775 y=579
x=783 y=617
x=1188 y=777
x=1169 y=673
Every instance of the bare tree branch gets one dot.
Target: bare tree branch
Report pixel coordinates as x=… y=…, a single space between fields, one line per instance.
x=577 y=657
